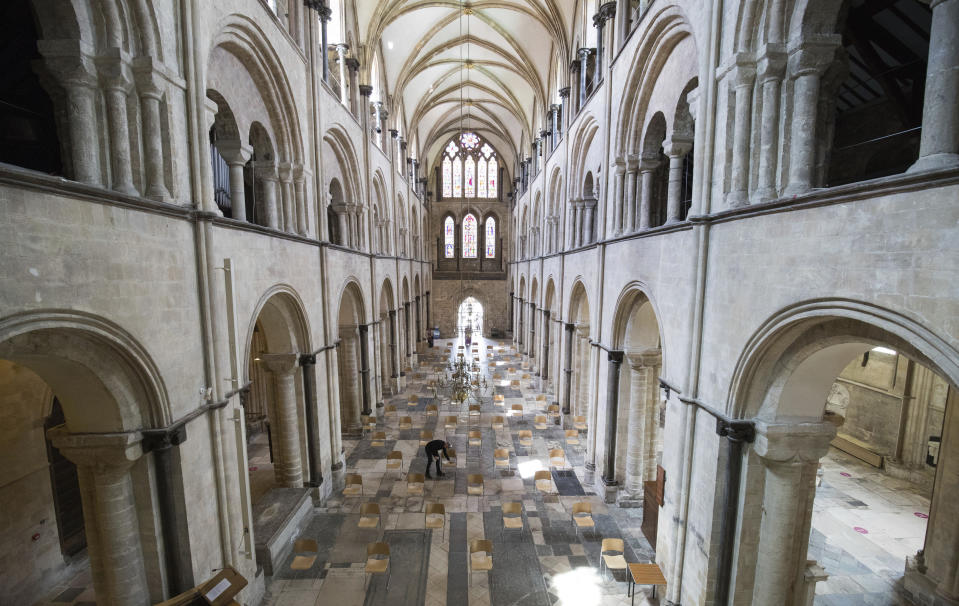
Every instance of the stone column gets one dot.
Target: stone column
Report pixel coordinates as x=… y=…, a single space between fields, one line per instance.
x=428 y=314
x=341 y=63
x=914 y=444
x=365 y=367
x=285 y=424
x=554 y=125
x=301 y=201
x=619 y=176
x=116 y=86
x=353 y=65
x=643 y=384
x=314 y=465
x=807 y=63
x=236 y=155
x=582 y=398
x=648 y=170
x=568 y=370
x=612 y=415
x=162 y=444
x=630 y=198
x=790 y=455
x=589 y=230
x=532 y=332
x=564 y=111
x=324 y=13
x=394 y=352
x=941 y=549
x=583 y=54
x=547 y=330
x=578 y=224
x=268 y=206
x=771 y=69
x=406 y=328
x=349 y=375
x=419 y=327
x=103 y=465
x=151 y=93
x=939 y=144
x=676 y=150
x=521 y=315
x=286 y=193
x=78 y=78
x=743 y=77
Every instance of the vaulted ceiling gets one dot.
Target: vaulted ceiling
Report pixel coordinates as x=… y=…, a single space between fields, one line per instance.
x=488 y=63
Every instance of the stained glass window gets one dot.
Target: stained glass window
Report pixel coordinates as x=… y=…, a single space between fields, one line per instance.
x=490 y=237
x=447 y=178
x=469 y=237
x=470 y=183
x=451 y=149
x=481 y=178
x=486 y=149
x=469 y=140
x=450 y=237
x=491 y=180
x=457 y=178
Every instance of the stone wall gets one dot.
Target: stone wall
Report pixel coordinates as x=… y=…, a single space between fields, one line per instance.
x=448 y=294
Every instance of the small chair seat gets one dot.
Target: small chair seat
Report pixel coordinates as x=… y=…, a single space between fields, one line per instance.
x=374 y=565
x=513 y=523
x=615 y=562
x=302 y=562
x=584 y=521
x=368 y=522
x=480 y=562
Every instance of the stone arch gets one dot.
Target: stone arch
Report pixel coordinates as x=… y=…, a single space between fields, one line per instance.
x=579 y=354
x=387 y=337
x=345 y=203
x=781 y=381
x=353 y=357
x=655 y=168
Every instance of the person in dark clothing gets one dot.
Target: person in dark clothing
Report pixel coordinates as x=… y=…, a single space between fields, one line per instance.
x=433 y=450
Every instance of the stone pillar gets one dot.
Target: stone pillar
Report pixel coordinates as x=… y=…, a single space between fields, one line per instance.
x=582 y=397
x=612 y=415
x=109 y=511
x=406 y=328
x=285 y=424
x=236 y=155
x=939 y=144
x=554 y=124
x=341 y=63
x=743 y=77
x=324 y=13
x=941 y=550
x=790 y=456
x=349 y=375
x=419 y=327
x=619 y=176
x=151 y=93
x=807 y=63
x=429 y=323
x=630 y=198
x=78 y=78
x=568 y=370
x=583 y=54
x=532 y=331
x=286 y=193
x=648 y=170
x=394 y=352
x=301 y=201
x=268 y=206
x=564 y=111
x=353 y=65
x=589 y=230
x=676 y=150
x=521 y=315
x=365 y=367
x=547 y=330
x=578 y=223
x=314 y=468
x=771 y=69
x=643 y=384
x=116 y=87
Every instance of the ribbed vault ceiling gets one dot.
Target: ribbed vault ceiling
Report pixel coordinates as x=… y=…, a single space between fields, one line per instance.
x=492 y=58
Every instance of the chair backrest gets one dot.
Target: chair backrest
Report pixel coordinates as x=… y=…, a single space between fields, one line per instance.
x=517 y=407
x=354 y=478
x=556 y=453
x=513 y=508
x=553 y=409
x=572 y=433
x=370 y=509
x=379 y=435
x=406 y=420
x=365 y=419
x=540 y=398
x=452 y=420
x=435 y=508
x=414 y=399
x=432 y=408
x=390 y=408
x=474 y=408
x=451 y=452
x=396 y=454
x=475 y=434
x=305 y=546
x=499 y=397
x=541 y=418
x=474 y=479
x=377 y=549
x=525 y=433
x=613 y=545
x=415 y=478
x=579 y=419
x=426 y=434
x=542 y=474
x=498 y=420
x=481 y=545
x=582 y=507
x=501 y=453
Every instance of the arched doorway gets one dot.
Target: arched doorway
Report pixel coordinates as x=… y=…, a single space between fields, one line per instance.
x=469 y=318
x=353 y=360
x=810 y=378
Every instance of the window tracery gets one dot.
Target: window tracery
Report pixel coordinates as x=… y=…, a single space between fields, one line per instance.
x=469 y=237
x=469 y=168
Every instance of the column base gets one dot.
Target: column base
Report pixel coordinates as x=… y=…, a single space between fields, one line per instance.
x=629 y=500
x=379 y=404
x=934 y=162
x=920 y=589
x=609 y=489
x=737 y=199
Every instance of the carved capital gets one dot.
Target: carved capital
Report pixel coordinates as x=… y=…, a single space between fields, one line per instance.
x=793 y=442
x=116 y=451
x=280 y=364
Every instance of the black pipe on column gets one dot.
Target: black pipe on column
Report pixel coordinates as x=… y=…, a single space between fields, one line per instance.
x=612 y=413
x=419 y=329
x=314 y=472
x=393 y=374
x=365 y=367
x=532 y=330
x=569 y=366
x=406 y=329
x=546 y=331
x=429 y=325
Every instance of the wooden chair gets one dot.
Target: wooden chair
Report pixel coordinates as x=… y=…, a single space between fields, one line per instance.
x=525 y=376
x=517 y=409
x=394 y=460
x=499 y=400
x=378 y=561
x=406 y=422
x=540 y=422
x=572 y=436
x=354 y=485
x=557 y=458
x=369 y=515
x=552 y=411
x=451 y=422
x=379 y=438
x=501 y=458
x=616 y=560
x=498 y=423
x=475 y=438
x=579 y=422
x=415 y=483
x=583 y=515
x=413 y=401
x=425 y=436
x=432 y=410
x=525 y=437
x=543 y=480
x=474 y=484
x=514 y=383
x=481 y=556
x=513 y=515
x=435 y=517
x=452 y=453
x=389 y=410
x=367 y=423
x=474 y=412
x=305 y=550
x=541 y=398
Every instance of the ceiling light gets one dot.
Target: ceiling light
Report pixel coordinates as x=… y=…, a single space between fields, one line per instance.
x=389 y=45
x=884 y=350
